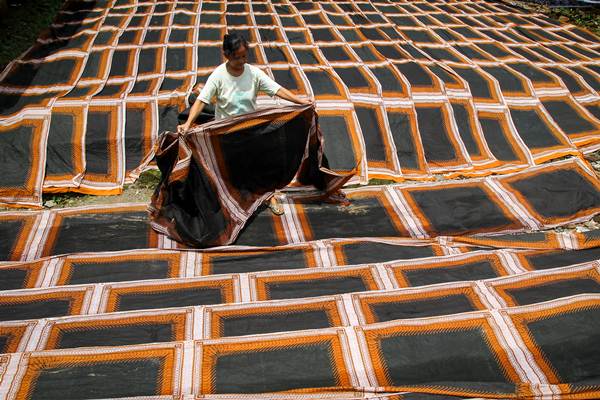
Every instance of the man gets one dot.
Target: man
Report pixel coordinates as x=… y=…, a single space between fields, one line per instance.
x=235 y=85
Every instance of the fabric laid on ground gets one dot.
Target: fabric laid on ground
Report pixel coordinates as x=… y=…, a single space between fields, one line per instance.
x=214 y=177
x=406 y=90
x=477 y=323
x=549 y=195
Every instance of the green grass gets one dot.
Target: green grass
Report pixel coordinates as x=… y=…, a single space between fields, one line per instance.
x=21 y=25
x=140 y=191
x=586 y=17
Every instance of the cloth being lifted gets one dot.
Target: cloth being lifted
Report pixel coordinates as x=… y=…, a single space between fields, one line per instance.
x=216 y=175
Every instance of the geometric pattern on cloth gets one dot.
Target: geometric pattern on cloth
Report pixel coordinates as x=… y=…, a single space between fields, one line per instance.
x=150 y=370
x=501 y=318
x=508 y=352
x=568 y=366
x=440 y=350
x=510 y=203
x=481 y=87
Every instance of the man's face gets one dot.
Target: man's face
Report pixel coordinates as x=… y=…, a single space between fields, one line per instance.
x=238 y=58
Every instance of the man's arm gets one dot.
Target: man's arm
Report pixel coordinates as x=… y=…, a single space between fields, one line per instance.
x=287 y=95
x=194 y=112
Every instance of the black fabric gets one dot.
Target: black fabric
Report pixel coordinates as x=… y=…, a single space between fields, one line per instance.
x=292 y=367
x=12 y=278
x=306 y=56
x=170 y=297
x=274 y=54
x=569 y=120
x=494 y=50
x=188 y=204
x=284 y=259
x=451 y=304
x=460 y=210
x=337 y=144
x=16 y=156
x=315 y=287
x=285 y=78
x=259 y=230
x=558 y=193
x=352 y=78
x=335 y=54
x=469 y=271
x=442 y=54
x=134 y=127
x=176 y=59
x=147 y=60
x=553 y=290
x=594 y=110
x=115 y=335
x=499 y=144
x=444 y=74
x=365 y=53
x=4 y=341
x=465 y=128
x=508 y=81
x=453 y=358
x=102 y=232
x=374 y=252
x=388 y=80
x=534 y=74
x=10 y=229
x=331 y=221
x=322 y=83
x=471 y=52
x=415 y=74
x=390 y=52
x=11 y=103
x=97 y=380
x=587 y=76
x=400 y=127
x=120 y=66
x=555 y=259
x=275 y=322
x=97 y=139
x=118 y=271
x=59 y=151
x=50 y=73
x=209 y=56
x=372 y=133
x=434 y=135
x=569 y=351
x=533 y=129
x=478 y=85
x=34 y=309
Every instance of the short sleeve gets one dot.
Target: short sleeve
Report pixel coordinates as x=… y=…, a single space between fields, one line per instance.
x=209 y=90
x=266 y=84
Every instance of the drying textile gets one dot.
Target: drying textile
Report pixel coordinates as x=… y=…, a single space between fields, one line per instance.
x=406 y=90
x=214 y=177
x=409 y=317
x=542 y=197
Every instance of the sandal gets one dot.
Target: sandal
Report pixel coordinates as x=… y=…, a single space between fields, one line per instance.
x=275 y=207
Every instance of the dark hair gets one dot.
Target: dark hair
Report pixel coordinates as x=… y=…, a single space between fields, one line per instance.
x=232 y=42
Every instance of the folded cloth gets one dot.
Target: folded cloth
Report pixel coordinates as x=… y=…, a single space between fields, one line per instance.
x=216 y=175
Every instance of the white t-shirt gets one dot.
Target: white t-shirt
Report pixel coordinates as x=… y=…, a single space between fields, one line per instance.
x=236 y=94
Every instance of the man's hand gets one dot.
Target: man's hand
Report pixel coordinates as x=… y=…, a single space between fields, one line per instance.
x=289 y=96
x=182 y=128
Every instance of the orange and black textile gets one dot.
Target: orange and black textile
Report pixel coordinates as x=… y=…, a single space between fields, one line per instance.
x=405 y=89
x=216 y=175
